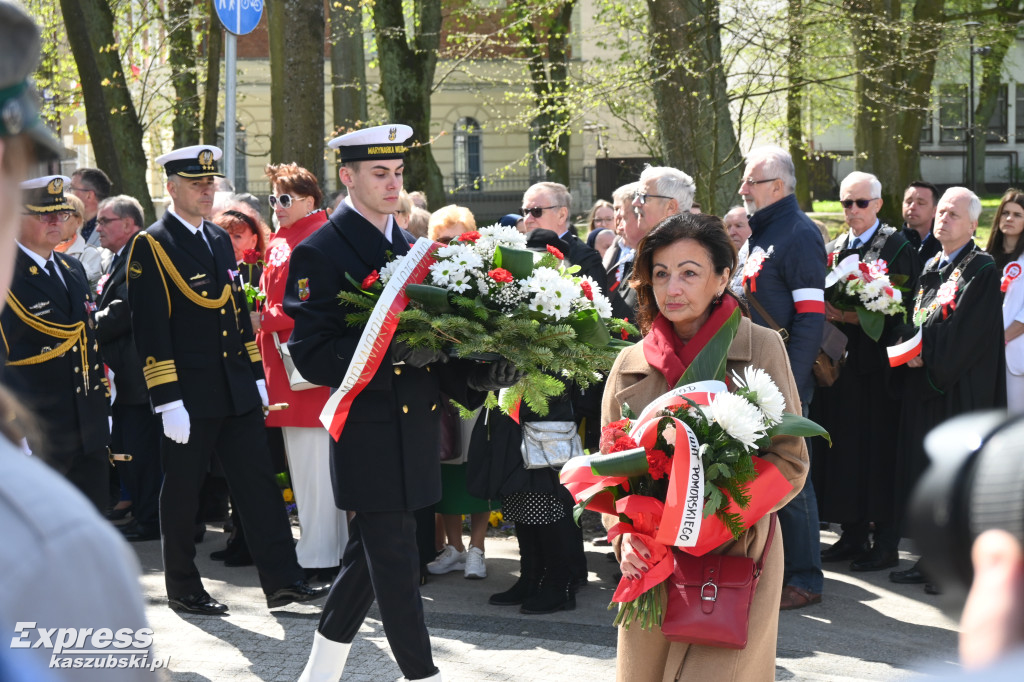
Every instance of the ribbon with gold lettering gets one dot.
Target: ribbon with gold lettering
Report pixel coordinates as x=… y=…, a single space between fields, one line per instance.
x=377 y=334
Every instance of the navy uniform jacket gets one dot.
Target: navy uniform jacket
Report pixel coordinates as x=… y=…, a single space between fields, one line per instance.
x=67 y=391
x=190 y=321
x=794 y=271
x=388 y=456
x=114 y=332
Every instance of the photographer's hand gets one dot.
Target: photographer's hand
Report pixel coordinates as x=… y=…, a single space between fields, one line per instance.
x=992 y=624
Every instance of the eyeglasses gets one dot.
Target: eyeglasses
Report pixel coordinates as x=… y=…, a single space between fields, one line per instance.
x=861 y=203
x=536 y=211
x=642 y=197
x=752 y=181
x=285 y=200
x=103 y=222
x=61 y=217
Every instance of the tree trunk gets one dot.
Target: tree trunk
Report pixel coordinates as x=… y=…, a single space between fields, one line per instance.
x=893 y=89
x=214 y=47
x=348 y=67
x=999 y=43
x=406 y=82
x=297 y=83
x=795 y=104
x=548 y=79
x=182 y=61
x=109 y=112
x=691 y=96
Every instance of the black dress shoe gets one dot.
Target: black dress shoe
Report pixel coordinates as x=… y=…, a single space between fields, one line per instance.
x=238 y=556
x=845 y=550
x=200 y=602
x=911 y=576
x=876 y=560
x=299 y=591
x=136 y=532
x=116 y=514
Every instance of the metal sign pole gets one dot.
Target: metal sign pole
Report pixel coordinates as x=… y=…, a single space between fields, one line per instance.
x=230 y=56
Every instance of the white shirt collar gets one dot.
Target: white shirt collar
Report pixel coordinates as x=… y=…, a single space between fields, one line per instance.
x=387 y=229
x=40 y=261
x=191 y=228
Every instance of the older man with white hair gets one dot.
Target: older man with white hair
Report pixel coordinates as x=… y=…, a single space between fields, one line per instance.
x=662 y=192
x=784 y=282
x=855 y=478
x=960 y=368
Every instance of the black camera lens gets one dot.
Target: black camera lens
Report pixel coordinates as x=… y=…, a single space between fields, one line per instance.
x=975 y=482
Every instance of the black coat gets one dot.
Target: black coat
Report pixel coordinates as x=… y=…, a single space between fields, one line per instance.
x=199 y=347
x=586 y=257
x=114 y=332
x=963 y=354
x=388 y=456
x=854 y=479
x=68 y=392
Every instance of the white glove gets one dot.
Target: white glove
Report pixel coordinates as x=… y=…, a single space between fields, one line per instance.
x=176 y=424
x=261 y=386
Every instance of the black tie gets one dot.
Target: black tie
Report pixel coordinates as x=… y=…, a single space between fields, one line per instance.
x=943 y=263
x=202 y=240
x=113 y=262
x=51 y=268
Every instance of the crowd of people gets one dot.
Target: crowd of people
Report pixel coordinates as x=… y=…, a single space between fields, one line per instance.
x=203 y=348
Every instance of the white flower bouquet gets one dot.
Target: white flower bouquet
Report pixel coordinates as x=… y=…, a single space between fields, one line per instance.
x=867 y=289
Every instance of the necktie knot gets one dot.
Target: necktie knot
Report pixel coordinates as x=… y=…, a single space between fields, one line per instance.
x=856 y=243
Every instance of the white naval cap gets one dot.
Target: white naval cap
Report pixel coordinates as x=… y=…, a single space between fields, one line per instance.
x=46 y=194
x=196 y=161
x=379 y=142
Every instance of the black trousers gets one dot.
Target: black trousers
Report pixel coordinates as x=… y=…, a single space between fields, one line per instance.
x=87 y=471
x=137 y=432
x=382 y=560
x=240 y=444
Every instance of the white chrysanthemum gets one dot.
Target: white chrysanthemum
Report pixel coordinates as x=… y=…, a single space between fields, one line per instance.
x=763 y=391
x=496 y=235
x=460 y=255
x=459 y=280
x=602 y=305
x=876 y=305
x=389 y=269
x=873 y=289
x=740 y=418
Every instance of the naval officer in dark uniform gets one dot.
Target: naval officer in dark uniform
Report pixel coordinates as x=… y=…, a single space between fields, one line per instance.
x=205 y=380
x=52 y=360
x=386 y=463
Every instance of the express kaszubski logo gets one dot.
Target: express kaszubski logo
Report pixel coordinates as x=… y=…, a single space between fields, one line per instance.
x=90 y=647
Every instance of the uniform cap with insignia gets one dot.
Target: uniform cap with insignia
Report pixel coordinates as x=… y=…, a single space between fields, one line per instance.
x=19 y=55
x=379 y=142
x=46 y=194
x=196 y=161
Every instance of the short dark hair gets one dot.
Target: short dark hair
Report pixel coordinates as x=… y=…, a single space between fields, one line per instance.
x=921 y=184
x=294 y=178
x=707 y=230
x=97 y=180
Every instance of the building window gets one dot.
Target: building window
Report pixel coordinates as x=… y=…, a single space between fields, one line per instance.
x=1019 y=111
x=952 y=114
x=927 y=136
x=997 y=129
x=466 y=143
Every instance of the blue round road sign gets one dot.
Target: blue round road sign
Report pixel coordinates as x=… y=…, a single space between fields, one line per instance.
x=239 y=16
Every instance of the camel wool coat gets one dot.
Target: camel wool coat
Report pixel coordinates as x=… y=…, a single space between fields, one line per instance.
x=645 y=655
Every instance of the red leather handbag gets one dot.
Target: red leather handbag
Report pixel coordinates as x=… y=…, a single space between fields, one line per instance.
x=709 y=597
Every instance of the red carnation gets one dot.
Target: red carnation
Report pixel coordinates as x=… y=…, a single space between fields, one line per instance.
x=832 y=259
x=500 y=275
x=622 y=332
x=588 y=291
x=658 y=464
x=611 y=436
x=251 y=256
x=370 y=279
x=624 y=443
x=469 y=236
x=555 y=252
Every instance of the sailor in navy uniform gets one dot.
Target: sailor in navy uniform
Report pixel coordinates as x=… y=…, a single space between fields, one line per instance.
x=52 y=360
x=386 y=463
x=205 y=380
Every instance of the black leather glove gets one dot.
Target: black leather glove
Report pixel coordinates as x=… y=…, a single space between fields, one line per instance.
x=494 y=376
x=416 y=357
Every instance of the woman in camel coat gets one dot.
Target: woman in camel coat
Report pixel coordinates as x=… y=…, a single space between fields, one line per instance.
x=681 y=275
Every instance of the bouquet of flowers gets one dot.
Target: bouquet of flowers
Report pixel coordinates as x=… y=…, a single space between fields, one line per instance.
x=485 y=296
x=685 y=472
x=867 y=289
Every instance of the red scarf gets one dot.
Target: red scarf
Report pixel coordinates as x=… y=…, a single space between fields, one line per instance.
x=669 y=354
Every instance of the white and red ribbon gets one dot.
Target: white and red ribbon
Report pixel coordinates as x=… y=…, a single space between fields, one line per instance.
x=902 y=353
x=373 y=344
x=846 y=267
x=1010 y=273
x=809 y=301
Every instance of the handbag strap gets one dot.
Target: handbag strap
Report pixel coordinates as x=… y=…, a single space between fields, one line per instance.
x=767 y=544
x=277 y=344
x=783 y=332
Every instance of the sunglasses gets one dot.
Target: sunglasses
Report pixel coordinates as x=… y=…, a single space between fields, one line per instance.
x=861 y=203
x=285 y=200
x=642 y=197
x=536 y=211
